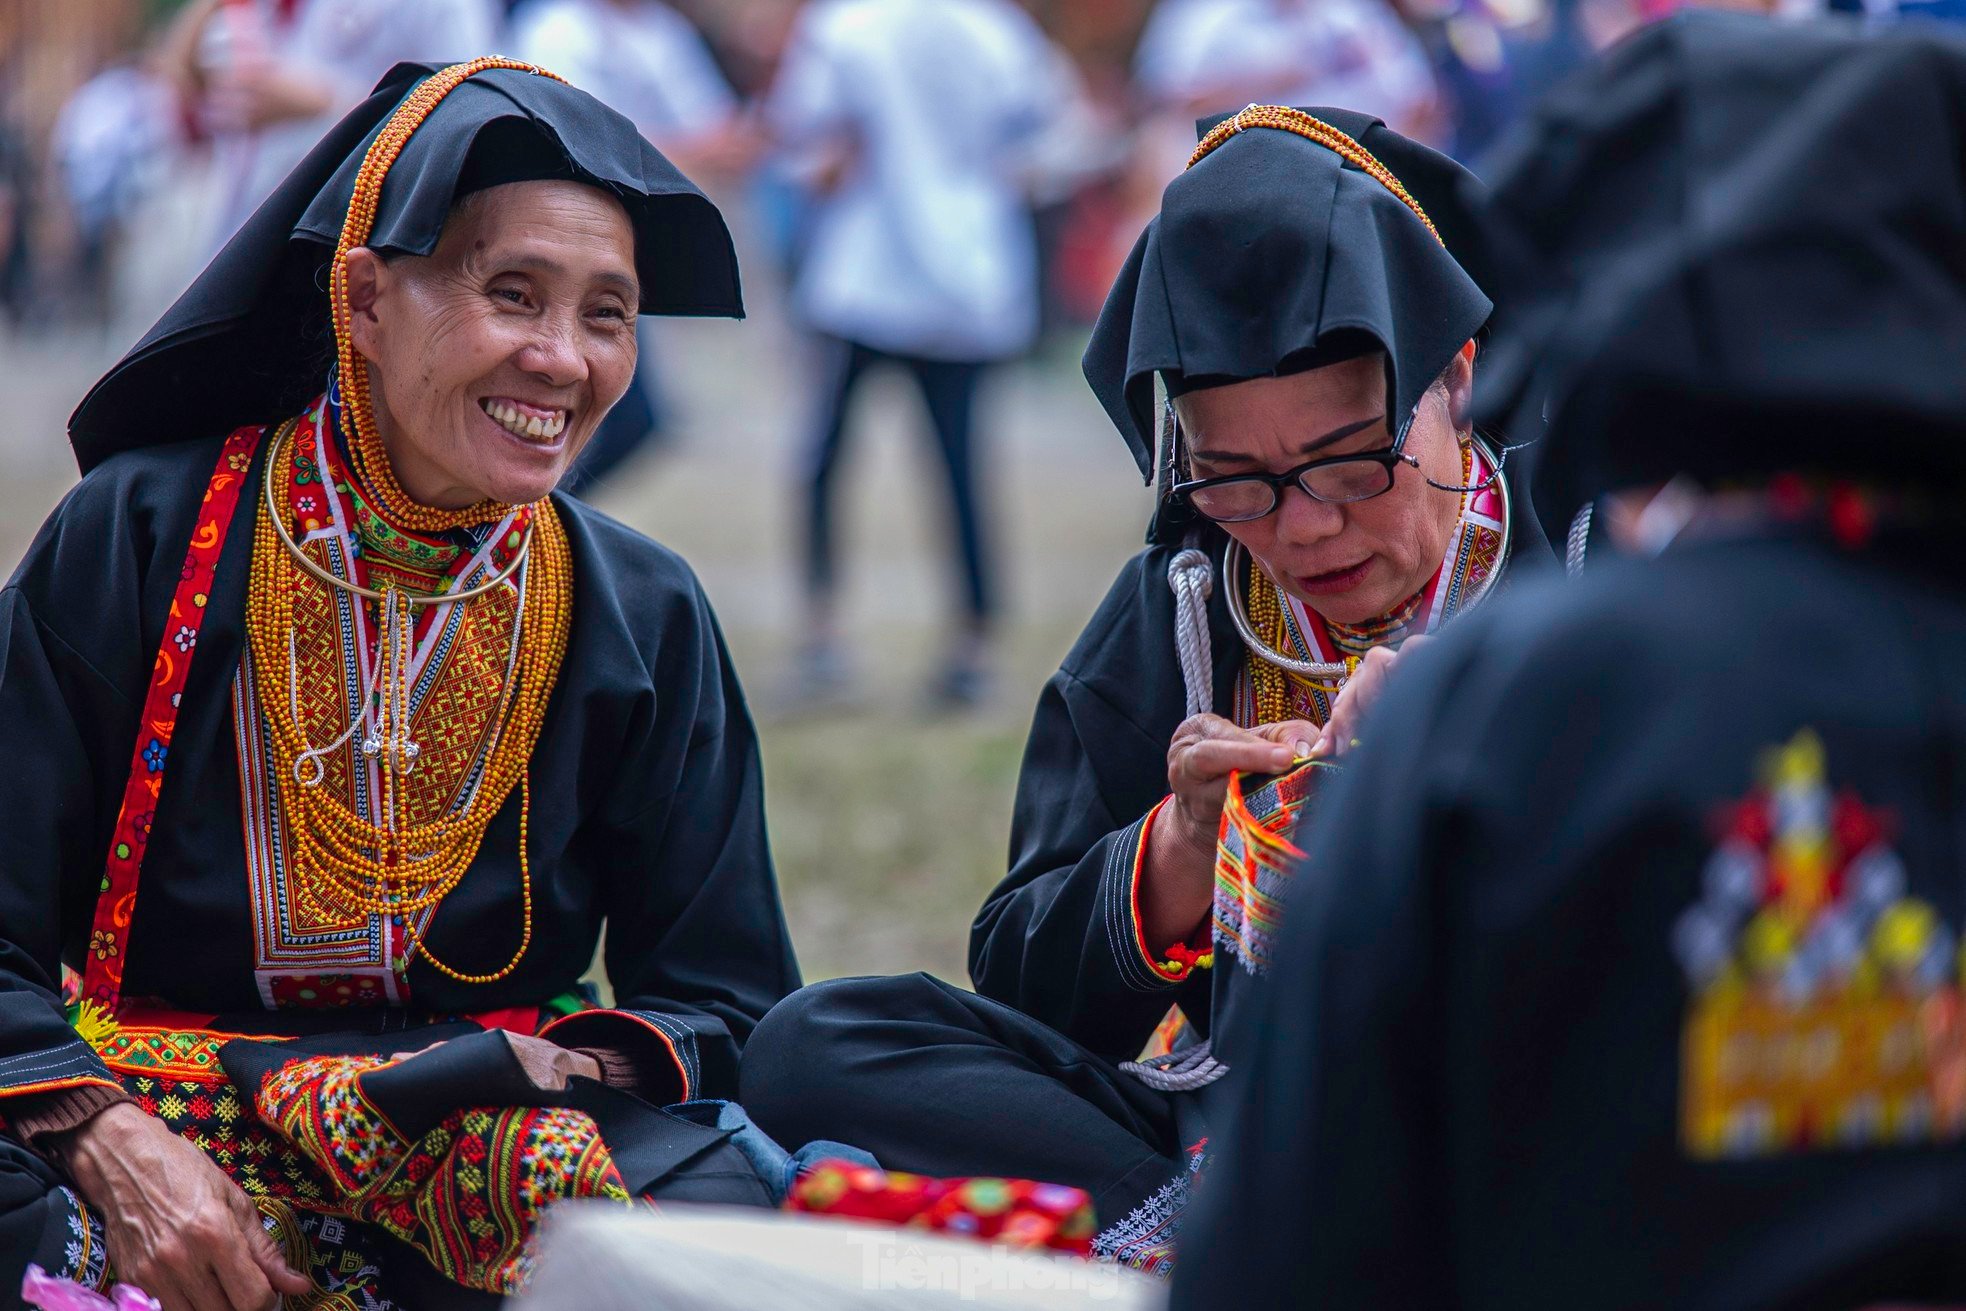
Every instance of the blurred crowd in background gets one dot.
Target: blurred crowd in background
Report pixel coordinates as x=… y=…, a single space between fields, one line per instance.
x=934 y=183
x=921 y=190
x=101 y=101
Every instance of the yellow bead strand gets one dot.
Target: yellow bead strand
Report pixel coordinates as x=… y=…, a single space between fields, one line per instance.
x=357 y=865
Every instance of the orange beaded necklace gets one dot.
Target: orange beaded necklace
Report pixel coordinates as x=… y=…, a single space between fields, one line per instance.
x=391 y=868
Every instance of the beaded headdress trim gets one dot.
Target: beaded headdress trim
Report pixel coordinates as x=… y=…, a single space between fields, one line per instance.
x=366 y=448
x=1298 y=123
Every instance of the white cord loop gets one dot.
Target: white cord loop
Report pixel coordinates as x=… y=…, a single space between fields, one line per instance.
x=1193 y=582
x=1579 y=541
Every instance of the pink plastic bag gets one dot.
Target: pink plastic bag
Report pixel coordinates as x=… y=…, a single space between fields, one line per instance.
x=39 y=1288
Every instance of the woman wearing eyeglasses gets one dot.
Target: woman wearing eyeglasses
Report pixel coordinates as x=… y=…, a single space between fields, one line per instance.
x=1324 y=504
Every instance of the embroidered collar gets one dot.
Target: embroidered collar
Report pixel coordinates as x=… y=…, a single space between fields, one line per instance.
x=326 y=490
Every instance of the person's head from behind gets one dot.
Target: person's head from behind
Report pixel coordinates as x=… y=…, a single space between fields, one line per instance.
x=494 y=358
x=1759 y=323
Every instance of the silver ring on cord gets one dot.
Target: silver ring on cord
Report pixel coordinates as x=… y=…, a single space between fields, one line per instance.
x=306 y=561
x=1232 y=557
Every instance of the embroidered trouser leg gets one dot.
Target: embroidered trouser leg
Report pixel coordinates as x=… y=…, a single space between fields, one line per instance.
x=43 y=1221
x=935 y=1080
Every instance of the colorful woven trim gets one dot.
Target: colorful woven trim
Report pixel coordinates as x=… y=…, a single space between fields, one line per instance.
x=1014 y=1212
x=467 y=1194
x=1255 y=858
x=1183 y=958
x=310 y=954
x=109 y=935
x=1145 y=1238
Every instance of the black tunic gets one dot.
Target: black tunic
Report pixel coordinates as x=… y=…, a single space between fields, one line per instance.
x=1466 y=1086
x=647 y=806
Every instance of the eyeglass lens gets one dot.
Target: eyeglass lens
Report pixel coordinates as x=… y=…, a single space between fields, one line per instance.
x=1240 y=499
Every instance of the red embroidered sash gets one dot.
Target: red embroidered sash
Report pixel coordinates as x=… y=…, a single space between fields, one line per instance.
x=109 y=935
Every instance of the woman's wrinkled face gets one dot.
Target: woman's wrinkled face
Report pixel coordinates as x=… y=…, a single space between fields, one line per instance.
x=494 y=358
x=1350 y=563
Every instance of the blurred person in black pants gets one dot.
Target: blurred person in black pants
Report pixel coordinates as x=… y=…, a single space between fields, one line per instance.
x=916 y=122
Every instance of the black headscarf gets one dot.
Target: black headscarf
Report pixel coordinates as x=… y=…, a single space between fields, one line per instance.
x=1735 y=248
x=250 y=342
x=1272 y=255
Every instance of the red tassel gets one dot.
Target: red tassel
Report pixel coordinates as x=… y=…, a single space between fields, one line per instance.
x=1850 y=519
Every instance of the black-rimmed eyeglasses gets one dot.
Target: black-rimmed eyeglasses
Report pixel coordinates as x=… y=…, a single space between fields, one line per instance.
x=1334 y=480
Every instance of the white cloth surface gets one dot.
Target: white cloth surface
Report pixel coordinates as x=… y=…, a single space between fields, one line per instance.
x=926 y=246
x=698 y=1258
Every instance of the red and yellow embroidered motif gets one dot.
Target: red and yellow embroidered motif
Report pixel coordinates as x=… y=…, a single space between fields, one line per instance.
x=102 y=980
x=1826 y=1001
x=1255 y=857
x=467 y=1193
x=463 y=691
x=1015 y=1212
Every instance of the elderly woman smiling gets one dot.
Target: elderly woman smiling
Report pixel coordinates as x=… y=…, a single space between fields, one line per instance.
x=1324 y=504
x=337 y=738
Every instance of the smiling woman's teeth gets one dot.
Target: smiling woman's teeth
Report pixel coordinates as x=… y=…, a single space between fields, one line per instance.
x=531 y=428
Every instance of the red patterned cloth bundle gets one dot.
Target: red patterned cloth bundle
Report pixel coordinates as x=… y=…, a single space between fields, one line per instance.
x=1016 y=1212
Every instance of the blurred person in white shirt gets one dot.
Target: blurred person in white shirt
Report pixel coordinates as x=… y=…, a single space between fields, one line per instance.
x=1201 y=57
x=919 y=120
x=265 y=78
x=647 y=62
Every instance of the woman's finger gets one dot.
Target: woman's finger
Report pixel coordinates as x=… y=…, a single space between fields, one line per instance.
x=1298 y=734
x=266 y=1252
x=199 y=1289
x=1214 y=760
x=238 y=1275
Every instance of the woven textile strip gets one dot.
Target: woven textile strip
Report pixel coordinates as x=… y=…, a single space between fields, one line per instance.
x=467 y=1193
x=1014 y=1212
x=109 y=935
x=1254 y=858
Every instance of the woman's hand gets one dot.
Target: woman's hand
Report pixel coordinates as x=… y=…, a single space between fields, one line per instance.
x=1178 y=884
x=175 y=1225
x=1361 y=692
x=550 y=1066
x=547 y=1064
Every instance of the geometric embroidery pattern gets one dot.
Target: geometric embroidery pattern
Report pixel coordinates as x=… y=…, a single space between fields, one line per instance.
x=1826 y=1001
x=468 y=1193
x=1255 y=859
x=310 y=954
